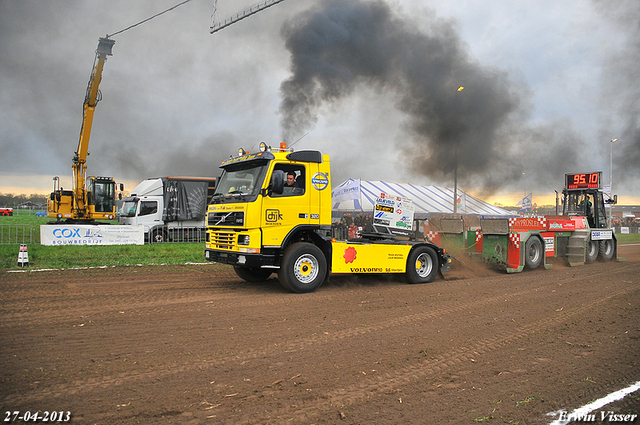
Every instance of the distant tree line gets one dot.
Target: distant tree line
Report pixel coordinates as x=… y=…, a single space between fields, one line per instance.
x=12 y=200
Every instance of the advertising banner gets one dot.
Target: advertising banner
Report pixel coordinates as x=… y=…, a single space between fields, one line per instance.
x=346 y=191
x=394 y=212
x=85 y=234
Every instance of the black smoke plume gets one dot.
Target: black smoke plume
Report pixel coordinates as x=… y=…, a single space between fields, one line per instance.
x=457 y=111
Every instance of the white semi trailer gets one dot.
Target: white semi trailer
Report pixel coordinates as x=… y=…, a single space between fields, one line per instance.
x=169 y=208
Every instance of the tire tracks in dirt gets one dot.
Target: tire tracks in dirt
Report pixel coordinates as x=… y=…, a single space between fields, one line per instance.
x=381 y=384
x=81 y=305
x=357 y=391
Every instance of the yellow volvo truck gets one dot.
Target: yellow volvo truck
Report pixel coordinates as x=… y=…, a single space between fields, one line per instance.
x=271 y=212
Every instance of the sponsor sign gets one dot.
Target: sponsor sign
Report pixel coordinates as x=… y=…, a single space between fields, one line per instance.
x=243 y=158
x=561 y=225
x=601 y=235
x=395 y=212
x=346 y=191
x=523 y=224
x=549 y=243
x=84 y=234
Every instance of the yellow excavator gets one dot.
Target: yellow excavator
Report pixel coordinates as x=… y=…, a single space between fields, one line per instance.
x=91 y=198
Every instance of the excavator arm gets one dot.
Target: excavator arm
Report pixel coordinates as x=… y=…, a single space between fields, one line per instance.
x=94 y=197
x=91 y=100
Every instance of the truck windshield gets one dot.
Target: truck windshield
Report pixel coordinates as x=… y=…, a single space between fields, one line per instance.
x=240 y=182
x=129 y=208
x=578 y=203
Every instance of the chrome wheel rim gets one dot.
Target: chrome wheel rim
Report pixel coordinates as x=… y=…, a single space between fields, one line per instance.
x=306 y=268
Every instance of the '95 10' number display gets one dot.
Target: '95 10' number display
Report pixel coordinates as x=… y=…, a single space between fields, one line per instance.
x=583 y=180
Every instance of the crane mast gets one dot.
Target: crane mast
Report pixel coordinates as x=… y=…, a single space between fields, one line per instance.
x=217 y=26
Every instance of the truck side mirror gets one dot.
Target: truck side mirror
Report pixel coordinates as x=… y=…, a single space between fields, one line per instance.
x=277 y=182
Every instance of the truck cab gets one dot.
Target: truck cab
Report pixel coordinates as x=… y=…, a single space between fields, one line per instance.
x=588 y=203
x=272 y=213
x=255 y=212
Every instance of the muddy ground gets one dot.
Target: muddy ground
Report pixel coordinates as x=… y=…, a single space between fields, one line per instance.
x=195 y=345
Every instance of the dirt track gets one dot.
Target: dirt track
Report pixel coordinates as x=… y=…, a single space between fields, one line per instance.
x=194 y=344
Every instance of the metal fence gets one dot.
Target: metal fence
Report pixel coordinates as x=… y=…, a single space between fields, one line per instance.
x=172 y=234
x=19 y=234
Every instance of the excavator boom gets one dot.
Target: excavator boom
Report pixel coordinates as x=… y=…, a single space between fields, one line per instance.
x=92 y=98
x=84 y=204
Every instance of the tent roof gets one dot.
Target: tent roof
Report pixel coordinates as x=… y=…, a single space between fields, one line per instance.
x=426 y=199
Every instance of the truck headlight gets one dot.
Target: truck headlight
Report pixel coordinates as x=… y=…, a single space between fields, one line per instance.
x=244 y=240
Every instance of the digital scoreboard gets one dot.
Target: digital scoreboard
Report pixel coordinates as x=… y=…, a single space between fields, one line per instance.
x=583 y=180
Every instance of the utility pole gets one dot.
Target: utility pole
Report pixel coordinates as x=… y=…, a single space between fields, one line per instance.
x=455 y=182
x=611 y=181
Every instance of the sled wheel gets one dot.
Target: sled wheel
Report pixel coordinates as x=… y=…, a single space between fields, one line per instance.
x=303 y=268
x=422 y=265
x=533 y=253
x=606 y=250
x=592 y=251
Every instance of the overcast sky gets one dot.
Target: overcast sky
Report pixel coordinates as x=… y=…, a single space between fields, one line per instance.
x=547 y=85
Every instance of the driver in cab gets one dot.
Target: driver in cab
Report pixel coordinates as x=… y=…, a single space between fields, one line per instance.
x=290 y=185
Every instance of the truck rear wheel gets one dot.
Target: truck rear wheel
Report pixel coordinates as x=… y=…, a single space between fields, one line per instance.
x=592 y=251
x=422 y=265
x=303 y=268
x=606 y=250
x=252 y=274
x=533 y=253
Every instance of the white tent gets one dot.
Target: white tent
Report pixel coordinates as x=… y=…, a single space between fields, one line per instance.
x=357 y=195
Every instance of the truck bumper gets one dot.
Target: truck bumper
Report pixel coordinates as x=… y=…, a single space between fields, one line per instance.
x=240 y=259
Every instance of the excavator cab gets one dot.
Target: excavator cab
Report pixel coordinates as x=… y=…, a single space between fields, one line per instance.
x=101 y=194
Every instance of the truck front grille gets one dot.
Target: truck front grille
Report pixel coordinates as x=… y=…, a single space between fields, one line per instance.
x=232 y=218
x=221 y=240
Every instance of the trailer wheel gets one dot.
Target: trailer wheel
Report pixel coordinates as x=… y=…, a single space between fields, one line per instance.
x=606 y=250
x=592 y=251
x=158 y=236
x=533 y=253
x=303 y=268
x=422 y=265
x=252 y=274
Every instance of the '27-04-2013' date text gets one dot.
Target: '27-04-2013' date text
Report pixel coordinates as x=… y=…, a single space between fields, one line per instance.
x=46 y=416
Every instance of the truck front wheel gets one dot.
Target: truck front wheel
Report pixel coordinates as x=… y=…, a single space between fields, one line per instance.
x=158 y=236
x=252 y=275
x=422 y=265
x=303 y=268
